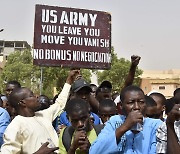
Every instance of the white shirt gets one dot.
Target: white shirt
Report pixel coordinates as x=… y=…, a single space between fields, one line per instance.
x=27 y=134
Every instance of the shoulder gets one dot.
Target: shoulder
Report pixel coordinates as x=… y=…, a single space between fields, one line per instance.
x=117 y=118
x=61 y=133
x=19 y=121
x=2 y=110
x=115 y=121
x=162 y=130
x=61 y=142
x=15 y=125
x=152 y=122
x=4 y=114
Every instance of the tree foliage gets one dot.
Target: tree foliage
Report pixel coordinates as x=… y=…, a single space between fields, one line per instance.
x=19 y=67
x=118 y=73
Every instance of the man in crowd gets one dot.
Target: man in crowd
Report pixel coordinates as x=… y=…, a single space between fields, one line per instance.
x=107 y=108
x=160 y=101
x=31 y=132
x=151 y=108
x=168 y=134
x=80 y=89
x=10 y=86
x=44 y=102
x=119 y=134
x=78 y=137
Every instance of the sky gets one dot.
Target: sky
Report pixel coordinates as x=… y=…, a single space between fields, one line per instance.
x=148 y=28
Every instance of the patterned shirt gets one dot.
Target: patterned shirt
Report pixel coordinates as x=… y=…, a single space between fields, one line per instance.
x=162 y=136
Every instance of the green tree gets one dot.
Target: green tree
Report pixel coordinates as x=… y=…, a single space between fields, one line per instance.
x=118 y=73
x=19 y=66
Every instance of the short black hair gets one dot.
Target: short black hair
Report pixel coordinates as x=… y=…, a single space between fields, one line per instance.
x=150 y=101
x=16 y=96
x=127 y=89
x=169 y=104
x=176 y=91
x=75 y=105
x=107 y=103
x=16 y=83
x=163 y=98
x=44 y=101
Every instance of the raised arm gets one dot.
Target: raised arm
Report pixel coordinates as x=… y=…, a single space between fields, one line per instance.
x=134 y=62
x=53 y=111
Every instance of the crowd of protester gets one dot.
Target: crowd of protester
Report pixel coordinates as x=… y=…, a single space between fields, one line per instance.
x=88 y=119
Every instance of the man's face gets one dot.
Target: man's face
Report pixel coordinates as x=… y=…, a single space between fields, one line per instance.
x=133 y=100
x=83 y=93
x=30 y=100
x=151 y=112
x=80 y=120
x=9 y=88
x=106 y=112
x=160 y=107
x=104 y=93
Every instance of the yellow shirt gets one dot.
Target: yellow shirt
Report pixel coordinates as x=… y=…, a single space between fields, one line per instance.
x=91 y=135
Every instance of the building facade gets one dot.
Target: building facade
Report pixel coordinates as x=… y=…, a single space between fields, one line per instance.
x=164 y=82
x=8 y=47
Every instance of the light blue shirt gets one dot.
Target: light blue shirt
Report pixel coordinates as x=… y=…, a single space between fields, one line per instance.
x=143 y=142
x=4 y=122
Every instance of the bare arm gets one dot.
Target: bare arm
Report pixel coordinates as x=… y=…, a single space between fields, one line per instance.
x=94 y=103
x=134 y=62
x=54 y=110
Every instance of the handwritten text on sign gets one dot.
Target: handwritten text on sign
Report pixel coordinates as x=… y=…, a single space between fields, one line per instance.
x=72 y=37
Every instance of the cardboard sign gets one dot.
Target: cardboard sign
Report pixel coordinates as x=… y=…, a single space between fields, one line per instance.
x=70 y=37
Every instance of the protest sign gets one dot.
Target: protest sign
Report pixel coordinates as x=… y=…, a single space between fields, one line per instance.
x=71 y=37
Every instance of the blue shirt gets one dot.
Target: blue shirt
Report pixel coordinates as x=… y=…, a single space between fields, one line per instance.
x=143 y=142
x=4 y=122
x=62 y=119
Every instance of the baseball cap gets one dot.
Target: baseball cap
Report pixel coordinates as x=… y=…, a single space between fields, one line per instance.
x=79 y=84
x=105 y=84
